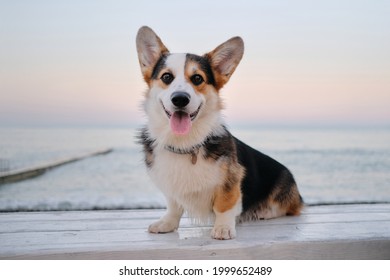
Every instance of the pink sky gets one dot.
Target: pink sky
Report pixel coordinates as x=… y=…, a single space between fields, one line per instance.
x=304 y=62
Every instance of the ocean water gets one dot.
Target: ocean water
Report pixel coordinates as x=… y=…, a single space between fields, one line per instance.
x=332 y=165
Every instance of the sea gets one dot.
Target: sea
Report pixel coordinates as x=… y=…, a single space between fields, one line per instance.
x=331 y=166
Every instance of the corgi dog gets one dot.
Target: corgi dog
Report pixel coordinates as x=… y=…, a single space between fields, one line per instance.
x=190 y=155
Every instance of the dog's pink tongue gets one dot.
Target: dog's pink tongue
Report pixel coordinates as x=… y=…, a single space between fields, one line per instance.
x=180 y=123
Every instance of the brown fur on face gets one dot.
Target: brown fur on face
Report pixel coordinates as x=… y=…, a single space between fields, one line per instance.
x=158 y=82
x=193 y=68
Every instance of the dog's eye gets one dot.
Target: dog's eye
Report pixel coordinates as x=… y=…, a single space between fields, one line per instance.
x=197 y=79
x=167 y=78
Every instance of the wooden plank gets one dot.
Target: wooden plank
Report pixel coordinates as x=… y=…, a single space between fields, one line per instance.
x=323 y=232
x=29 y=172
x=156 y=213
x=144 y=241
x=104 y=219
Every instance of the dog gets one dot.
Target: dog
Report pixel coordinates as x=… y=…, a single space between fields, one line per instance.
x=200 y=167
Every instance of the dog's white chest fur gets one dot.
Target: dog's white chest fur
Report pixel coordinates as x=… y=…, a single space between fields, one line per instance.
x=192 y=186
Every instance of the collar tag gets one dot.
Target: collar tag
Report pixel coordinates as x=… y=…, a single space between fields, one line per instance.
x=194 y=151
x=194 y=156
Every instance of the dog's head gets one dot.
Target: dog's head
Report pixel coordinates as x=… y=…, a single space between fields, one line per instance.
x=184 y=87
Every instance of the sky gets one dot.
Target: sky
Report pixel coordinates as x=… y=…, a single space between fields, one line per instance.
x=305 y=62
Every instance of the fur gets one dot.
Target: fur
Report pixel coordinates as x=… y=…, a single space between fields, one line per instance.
x=190 y=155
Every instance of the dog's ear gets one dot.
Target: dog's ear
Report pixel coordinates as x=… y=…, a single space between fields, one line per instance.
x=150 y=48
x=225 y=58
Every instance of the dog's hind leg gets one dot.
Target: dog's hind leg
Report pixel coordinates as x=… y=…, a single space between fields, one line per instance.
x=284 y=200
x=170 y=221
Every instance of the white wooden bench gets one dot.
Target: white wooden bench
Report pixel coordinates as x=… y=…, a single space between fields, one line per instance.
x=321 y=232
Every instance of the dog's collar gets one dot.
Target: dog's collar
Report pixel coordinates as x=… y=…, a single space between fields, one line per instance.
x=179 y=151
x=149 y=144
x=193 y=151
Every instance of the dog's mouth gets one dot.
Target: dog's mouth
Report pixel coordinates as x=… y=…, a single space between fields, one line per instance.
x=181 y=121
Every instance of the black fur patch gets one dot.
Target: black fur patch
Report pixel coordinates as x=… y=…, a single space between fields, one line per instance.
x=204 y=65
x=223 y=146
x=159 y=65
x=262 y=175
x=219 y=146
x=147 y=143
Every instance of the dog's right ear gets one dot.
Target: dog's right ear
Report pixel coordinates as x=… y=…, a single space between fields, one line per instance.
x=150 y=48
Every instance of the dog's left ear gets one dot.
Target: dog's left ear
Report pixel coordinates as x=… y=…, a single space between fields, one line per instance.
x=150 y=48
x=224 y=60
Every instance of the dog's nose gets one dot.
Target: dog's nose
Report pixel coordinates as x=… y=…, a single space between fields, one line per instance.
x=180 y=99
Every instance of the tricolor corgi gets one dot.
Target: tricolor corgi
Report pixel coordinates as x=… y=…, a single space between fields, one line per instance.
x=191 y=156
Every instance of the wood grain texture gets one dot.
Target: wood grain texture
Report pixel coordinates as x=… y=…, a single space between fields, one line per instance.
x=321 y=232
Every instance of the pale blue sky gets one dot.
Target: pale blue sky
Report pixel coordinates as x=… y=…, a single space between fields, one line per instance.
x=74 y=62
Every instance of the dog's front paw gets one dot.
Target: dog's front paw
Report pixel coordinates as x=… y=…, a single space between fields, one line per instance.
x=163 y=226
x=223 y=232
